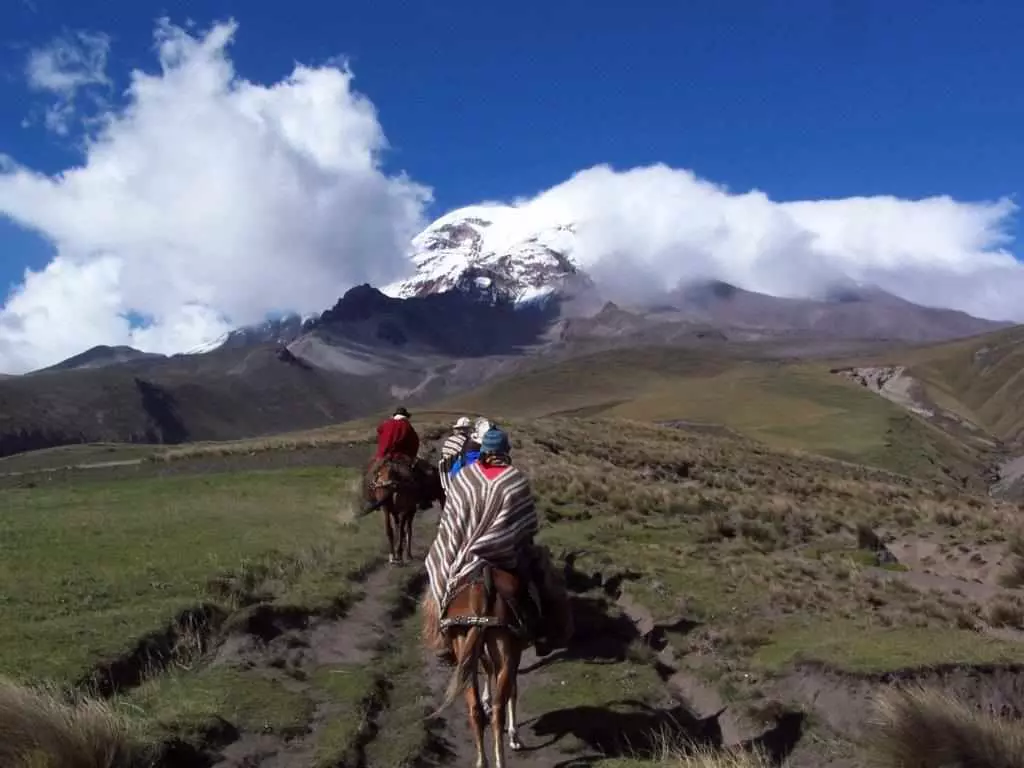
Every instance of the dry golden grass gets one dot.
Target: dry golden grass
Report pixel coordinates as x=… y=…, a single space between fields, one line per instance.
x=683 y=756
x=429 y=424
x=926 y=728
x=766 y=549
x=43 y=728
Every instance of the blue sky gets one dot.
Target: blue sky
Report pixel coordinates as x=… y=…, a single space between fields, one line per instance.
x=802 y=99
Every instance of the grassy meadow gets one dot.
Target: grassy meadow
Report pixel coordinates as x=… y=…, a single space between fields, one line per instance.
x=815 y=542
x=784 y=405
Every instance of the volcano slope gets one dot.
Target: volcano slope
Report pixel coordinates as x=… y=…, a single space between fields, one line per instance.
x=214 y=599
x=786 y=404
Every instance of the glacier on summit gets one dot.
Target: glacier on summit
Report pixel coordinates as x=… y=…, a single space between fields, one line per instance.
x=490 y=250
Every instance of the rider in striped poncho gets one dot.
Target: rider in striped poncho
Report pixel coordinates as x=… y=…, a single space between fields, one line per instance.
x=454 y=450
x=489 y=516
x=454 y=442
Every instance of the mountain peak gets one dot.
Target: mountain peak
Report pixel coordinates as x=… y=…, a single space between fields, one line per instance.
x=492 y=252
x=102 y=356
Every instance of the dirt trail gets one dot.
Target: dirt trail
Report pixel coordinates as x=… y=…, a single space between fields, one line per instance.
x=593 y=730
x=456 y=737
x=572 y=729
x=290 y=658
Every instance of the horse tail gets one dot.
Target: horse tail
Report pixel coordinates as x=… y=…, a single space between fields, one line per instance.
x=463 y=673
x=465 y=669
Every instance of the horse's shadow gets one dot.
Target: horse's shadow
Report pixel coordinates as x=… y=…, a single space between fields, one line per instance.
x=603 y=634
x=627 y=728
x=634 y=729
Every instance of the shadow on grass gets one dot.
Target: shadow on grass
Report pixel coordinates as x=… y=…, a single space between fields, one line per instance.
x=630 y=728
x=634 y=729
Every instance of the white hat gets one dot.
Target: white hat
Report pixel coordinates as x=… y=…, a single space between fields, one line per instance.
x=462 y=423
x=480 y=429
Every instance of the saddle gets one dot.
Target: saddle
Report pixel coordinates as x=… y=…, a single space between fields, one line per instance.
x=525 y=604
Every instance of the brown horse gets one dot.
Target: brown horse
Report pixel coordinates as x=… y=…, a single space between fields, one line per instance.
x=395 y=489
x=486 y=630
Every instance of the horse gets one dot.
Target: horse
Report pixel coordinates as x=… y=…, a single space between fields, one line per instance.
x=395 y=489
x=394 y=486
x=487 y=630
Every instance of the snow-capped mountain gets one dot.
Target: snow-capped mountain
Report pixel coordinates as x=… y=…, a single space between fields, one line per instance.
x=281 y=330
x=492 y=251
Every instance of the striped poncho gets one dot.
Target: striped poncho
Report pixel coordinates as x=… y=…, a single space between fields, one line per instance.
x=450 y=450
x=453 y=444
x=483 y=520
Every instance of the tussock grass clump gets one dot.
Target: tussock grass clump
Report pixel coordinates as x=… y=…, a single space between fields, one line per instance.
x=706 y=758
x=671 y=753
x=46 y=728
x=927 y=728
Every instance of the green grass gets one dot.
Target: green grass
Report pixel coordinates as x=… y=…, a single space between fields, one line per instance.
x=349 y=687
x=186 y=704
x=87 y=569
x=853 y=647
x=799 y=406
x=69 y=455
x=751 y=543
x=402 y=737
x=758 y=547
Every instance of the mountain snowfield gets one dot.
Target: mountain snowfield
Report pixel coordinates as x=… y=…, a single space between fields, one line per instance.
x=504 y=254
x=491 y=248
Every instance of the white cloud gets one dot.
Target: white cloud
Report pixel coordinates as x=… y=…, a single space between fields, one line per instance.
x=69 y=64
x=205 y=203
x=649 y=228
x=209 y=201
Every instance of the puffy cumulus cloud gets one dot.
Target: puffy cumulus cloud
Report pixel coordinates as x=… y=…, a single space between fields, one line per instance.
x=69 y=64
x=648 y=229
x=205 y=203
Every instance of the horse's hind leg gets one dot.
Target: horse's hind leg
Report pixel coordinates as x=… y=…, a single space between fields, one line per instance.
x=407 y=523
x=476 y=719
x=505 y=660
x=486 y=687
x=390 y=524
x=512 y=726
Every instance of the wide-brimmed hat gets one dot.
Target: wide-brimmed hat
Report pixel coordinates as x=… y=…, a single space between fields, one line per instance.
x=463 y=422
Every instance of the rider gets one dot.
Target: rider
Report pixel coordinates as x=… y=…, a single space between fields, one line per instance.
x=470 y=450
x=460 y=432
x=396 y=439
x=452 y=447
x=492 y=493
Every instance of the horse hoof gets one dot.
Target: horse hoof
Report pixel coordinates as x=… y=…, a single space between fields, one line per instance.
x=515 y=744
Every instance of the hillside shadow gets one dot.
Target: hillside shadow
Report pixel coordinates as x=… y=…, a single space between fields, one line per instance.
x=166 y=425
x=457 y=323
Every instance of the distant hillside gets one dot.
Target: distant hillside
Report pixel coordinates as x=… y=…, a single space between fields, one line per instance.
x=850 y=313
x=371 y=350
x=233 y=393
x=103 y=356
x=797 y=405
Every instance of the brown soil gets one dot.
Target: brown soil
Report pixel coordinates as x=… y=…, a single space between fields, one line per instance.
x=843 y=701
x=290 y=656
